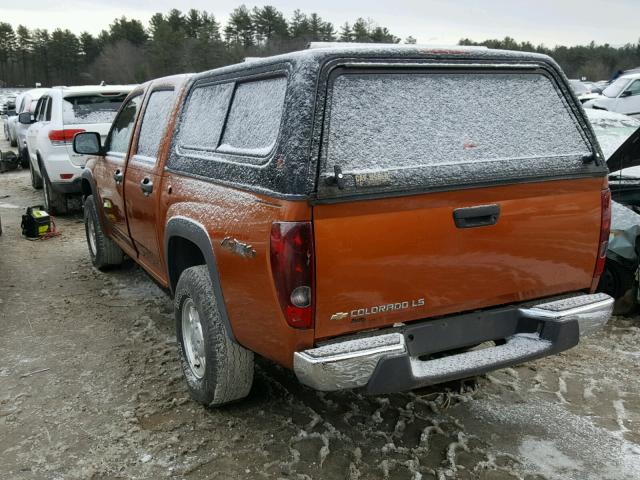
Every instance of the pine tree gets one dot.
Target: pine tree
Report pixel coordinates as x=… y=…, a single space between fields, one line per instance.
x=346 y=33
x=7 y=50
x=299 y=25
x=361 y=31
x=269 y=24
x=130 y=30
x=24 y=48
x=240 y=29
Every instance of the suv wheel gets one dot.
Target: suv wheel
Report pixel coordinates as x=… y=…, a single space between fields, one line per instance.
x=103 y=251
x=23 y=156
x=55 y=202
x=36 y=180
x=217 y=369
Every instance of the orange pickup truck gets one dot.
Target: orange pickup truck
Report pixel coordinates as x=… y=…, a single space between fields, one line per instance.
x=384 y=217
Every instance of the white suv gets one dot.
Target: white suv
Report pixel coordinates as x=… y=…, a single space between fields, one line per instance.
x=622 y=96
x=61 y=113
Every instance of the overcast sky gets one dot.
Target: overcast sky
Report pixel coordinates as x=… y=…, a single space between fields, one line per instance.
x=552 y=22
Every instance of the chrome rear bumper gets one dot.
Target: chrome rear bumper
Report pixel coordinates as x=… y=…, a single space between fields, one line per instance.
x=592 y=312
x=391 y=361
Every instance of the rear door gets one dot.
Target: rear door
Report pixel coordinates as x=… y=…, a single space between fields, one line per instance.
x=143 y=176
x=109 y=172
x=446 y=191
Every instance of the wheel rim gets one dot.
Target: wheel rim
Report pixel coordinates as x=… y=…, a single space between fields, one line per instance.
x=91 y=236
x=193 y=338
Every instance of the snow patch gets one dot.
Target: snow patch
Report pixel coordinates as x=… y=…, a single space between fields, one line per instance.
x=548 y=459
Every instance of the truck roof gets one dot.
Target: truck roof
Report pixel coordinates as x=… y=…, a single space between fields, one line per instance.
x=319 y=52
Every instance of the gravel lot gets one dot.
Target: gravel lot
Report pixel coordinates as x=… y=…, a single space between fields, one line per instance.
x=90 y=388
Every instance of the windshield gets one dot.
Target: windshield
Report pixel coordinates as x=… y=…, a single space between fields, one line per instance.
x=613 y=90
x=91 y=108
x=611 y=129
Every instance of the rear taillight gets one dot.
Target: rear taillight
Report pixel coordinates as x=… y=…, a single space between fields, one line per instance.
x=62 y=137
x=292 y=268
x=605 y=225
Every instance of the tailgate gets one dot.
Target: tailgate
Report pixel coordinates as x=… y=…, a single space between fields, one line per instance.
x=393 y=260
x=443 y=191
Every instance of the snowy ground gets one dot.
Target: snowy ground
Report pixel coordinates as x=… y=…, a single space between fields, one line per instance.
x=90 y=388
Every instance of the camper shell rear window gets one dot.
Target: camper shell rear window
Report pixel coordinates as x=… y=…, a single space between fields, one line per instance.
x=397 y=130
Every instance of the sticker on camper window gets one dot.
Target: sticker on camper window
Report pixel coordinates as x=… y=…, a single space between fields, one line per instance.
x=372 y=179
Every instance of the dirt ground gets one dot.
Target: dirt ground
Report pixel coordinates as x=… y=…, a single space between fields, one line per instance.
x=90 y=388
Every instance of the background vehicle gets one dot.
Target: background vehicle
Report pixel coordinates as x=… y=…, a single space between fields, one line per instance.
x=334 y=211
x=28 y=104
x=585 y=91
x=622 y=96
x=579 y=87
x=11 y=123
x=7 y=103
x=619 y=137
x=60 y=113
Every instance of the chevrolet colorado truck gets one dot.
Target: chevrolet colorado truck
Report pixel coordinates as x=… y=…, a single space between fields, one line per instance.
x=378 y=217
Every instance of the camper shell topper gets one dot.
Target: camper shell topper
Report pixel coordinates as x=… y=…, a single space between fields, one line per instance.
x=297 y=161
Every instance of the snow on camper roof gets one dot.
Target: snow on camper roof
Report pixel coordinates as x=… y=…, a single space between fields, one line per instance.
x=316 y=45
x=319 y=53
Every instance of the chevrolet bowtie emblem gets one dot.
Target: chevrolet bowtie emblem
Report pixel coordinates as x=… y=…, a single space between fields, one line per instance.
x=339 y=316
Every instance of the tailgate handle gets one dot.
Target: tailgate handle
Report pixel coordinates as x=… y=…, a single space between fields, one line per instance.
x=480 y=216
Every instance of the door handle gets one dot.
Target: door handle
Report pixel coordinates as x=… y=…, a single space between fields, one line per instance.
x=146 y=185
x=480 y=216
x=117 y=176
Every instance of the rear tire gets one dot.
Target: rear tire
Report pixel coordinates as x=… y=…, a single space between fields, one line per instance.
x=103 y=251
x=36 y=180
x=55 y=202
x=615 y=280
x=217 y=369
x=24 y=159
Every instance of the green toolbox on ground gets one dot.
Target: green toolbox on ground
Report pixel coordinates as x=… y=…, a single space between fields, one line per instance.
x=36 y=222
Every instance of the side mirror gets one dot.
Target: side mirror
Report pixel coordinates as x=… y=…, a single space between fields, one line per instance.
x=626 y=93
x=596 y=90
x=87 y=143
x=25 y=118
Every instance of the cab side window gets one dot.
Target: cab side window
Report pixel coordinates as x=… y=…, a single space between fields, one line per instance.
x=44 y=112
x=154 y=122
x=122 y=128
x=47 y=115
x=38 y=110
